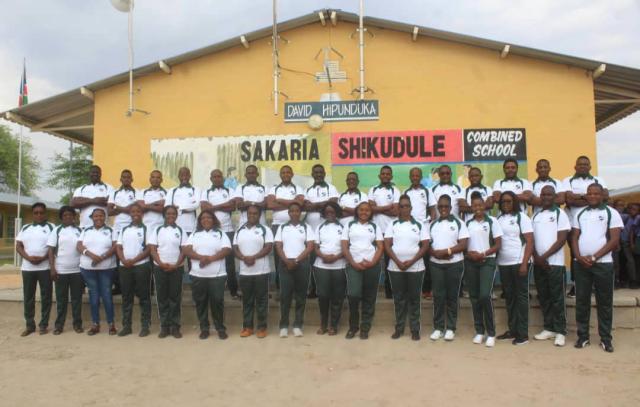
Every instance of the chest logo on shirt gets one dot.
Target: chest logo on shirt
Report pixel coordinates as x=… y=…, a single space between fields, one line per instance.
x=224 y=195
x=452 y=228
x=190 y=194
x=600 y=218
x=105 y=232
x=518 y=186
x=177 y=235
x=512 y=222
x=139 y=234
x=339 y=231
x=256 y=232
x=422 y=194
x=301 y=231
x=370 y=229
x=414 y=230
x=552 y=218
x=355 y=201
x=485 y=228
x=77 y=233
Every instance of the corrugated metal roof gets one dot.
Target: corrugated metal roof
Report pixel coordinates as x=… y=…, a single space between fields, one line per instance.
x=623 y=79
x=26 y=200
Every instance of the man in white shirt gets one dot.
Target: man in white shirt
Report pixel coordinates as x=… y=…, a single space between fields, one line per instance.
x=543 y=168
x=446 y=187
x=90 y=196
x=511 y=182
x=595 y=234
x=151 y=200
x=120 y=201
x=251 y=193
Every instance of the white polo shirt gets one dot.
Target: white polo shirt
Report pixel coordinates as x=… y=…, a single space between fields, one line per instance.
x=578 y=185
x=594 y=224
x=316 y=193
x=453 y=190
x=512 y=248
x=482 y=233
x=34 y=238
x=407 y=236
x=219 y=196
x=133 y=240
x=64 y=240
x=282 y=191
x=99 y=190
x=169 y=240
x=294 y=238
x=186 y=198
x=538 y=184
x=98 y=242
x=152 y=219
x=445 y=233
x=421 y=199
x=546 y=225
x=362 y=239
x=350 y=200
x=251 y=193
x=208 y=243
x=329 y=240
x=383 y=196
x=515 y=185
x=250 y=240
x=123 y=198
x=484 y=191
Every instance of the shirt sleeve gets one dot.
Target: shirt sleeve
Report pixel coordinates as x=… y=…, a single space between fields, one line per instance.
x=225 y=241
x=114 y=235
x=52 y=239
x=424 y=233
x=345 y=233
x=110 y=189
x=431 y=198
x=152 y=236
x=272 y=191
x=311 y=234
x=183 y=239
x=81 y=238
x=20 y=236
x=525 y=224
x=168 y=199
x=370 y=195
x=388 y=233
x=77 y=193
x=379 y=234
x=567 y=186
x=396 y=195
x=526 y=185
x=574 y=221
x=496 y=228
x=616 y=220
x=196 y=204
x=563 y=221
x=112 y=198
x=268 y=236
x=496 y=186
x=464 y=232
x=300 y=191
x=235 y=238
x=189 y=241
x=238 y=192
x=333 y=192
x=601 y=182
x=278 y=237
x=561 y=187
x=119 y=240
x=204 y=195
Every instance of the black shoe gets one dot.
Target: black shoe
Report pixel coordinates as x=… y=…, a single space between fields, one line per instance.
x=204 y=334
x=312 y=295
x=415 y=336
x=126 y=330
x=164 y=332
x=582 y=343
x=606 y=346
x=351 y=333
x=144 y=332
x=520 y=341
x=27 y=332
x=57 y=331
x=505 y=336
x=503 y=295
x=175 y=332
x=388 y=295
x=222 y=335
x=116 y=291
x=364 y=335
x=397 y=334
x=572 y=292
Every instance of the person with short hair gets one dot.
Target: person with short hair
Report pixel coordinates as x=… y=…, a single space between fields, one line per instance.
x=445 y=186
x=514 y=263
x=485 y=240
x=207 y=248
x=152 y=201
x=543 y=169
x=251 y=193
x=317 y=195
x=97 y=245
x=476 y=185
x=511 y=182
x=350 y=198
x=550 y=230
x=328 y=269
x=121 y=200
x=186 y=198
x=64 y=263
x=406 y=242
x=31 y=245
x=294 y=243
x=362 y=247
x=90 y=196
x=595 y=234
x=252 y=244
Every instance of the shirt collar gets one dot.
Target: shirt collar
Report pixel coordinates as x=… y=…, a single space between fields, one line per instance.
x=185 y=185
x=123 y=188
x=320 y=184
x=252 y=183
x=450 y=218
x=43 y=223
x=386 y=186
x=450 y=183
x=168 y=225
x=583 y=176
x=514 y=179
x=599 y=207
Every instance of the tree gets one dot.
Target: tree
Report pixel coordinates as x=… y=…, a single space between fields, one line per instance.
x=9 y=147
x=68 y=173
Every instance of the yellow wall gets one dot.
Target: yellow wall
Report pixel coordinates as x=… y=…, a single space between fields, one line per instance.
x=427 y=84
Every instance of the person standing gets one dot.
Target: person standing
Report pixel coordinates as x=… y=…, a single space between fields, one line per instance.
x=31 y=245
x=90 y=196
x=220 y=199
x=627 y=246
x=511 y=182
x=97 y=245
x=406 y=242
x=207 y=248
x=550 y=230
x=485 y=240
x=449 y=236
x=543 y=168
x=329 y=269
x=251 y=193
x=294 y=243
x=446 y=187
x=362 y=246
x=252 y=244
x=317 y=195
x=513 y=264
x=64 y=262
x=186 y=198
x=475 y=185
x=121 y=200
x=152 y=201
x=165 y=246
x=135 y=272
x=350 y=198
x=595 y=234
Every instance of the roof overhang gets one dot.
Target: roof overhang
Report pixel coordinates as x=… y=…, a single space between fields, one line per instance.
x=70 y=115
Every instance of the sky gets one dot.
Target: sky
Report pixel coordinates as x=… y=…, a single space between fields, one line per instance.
x=69 y=43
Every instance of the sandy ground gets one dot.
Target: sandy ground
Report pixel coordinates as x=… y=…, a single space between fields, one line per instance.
x=77 y=370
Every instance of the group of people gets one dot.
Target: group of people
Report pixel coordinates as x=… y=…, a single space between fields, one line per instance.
x=424 y=240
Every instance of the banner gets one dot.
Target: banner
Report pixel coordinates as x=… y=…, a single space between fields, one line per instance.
x=332 y=111
x=495 y=144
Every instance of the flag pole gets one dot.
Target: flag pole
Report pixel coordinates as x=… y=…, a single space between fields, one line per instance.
x=18 y=221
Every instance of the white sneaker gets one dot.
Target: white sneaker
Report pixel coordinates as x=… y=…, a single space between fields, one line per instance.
x=559 y=340
x=491 y=342
x=544 y=335
x=284 y=332
x=478 y=339
x=437 y=334
x=449 y=335
x=297 y=332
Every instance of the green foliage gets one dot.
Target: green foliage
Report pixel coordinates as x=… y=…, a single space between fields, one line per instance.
x=170 y=163
x=9 y=147
x=68 y=173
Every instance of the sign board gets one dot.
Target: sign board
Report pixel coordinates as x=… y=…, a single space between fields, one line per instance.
x=332 y=111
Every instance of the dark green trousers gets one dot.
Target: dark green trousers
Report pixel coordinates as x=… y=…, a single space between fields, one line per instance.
x=331 y=288
x=230 y=264
x=255 y=300
x=406 y=287
x=168 y=296
x=69 y=284
x=600 y=276
x=293 y=285
x=550 y=285
x=516 y=296
x=445 y=282
x=30 y=282
x=362 y=292
x=136 y=282
x=478 y=278
x=208 y=293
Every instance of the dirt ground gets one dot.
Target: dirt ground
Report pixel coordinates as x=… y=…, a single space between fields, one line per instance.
x=77 y=370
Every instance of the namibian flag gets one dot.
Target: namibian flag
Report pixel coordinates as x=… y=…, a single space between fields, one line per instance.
x=24 y=94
